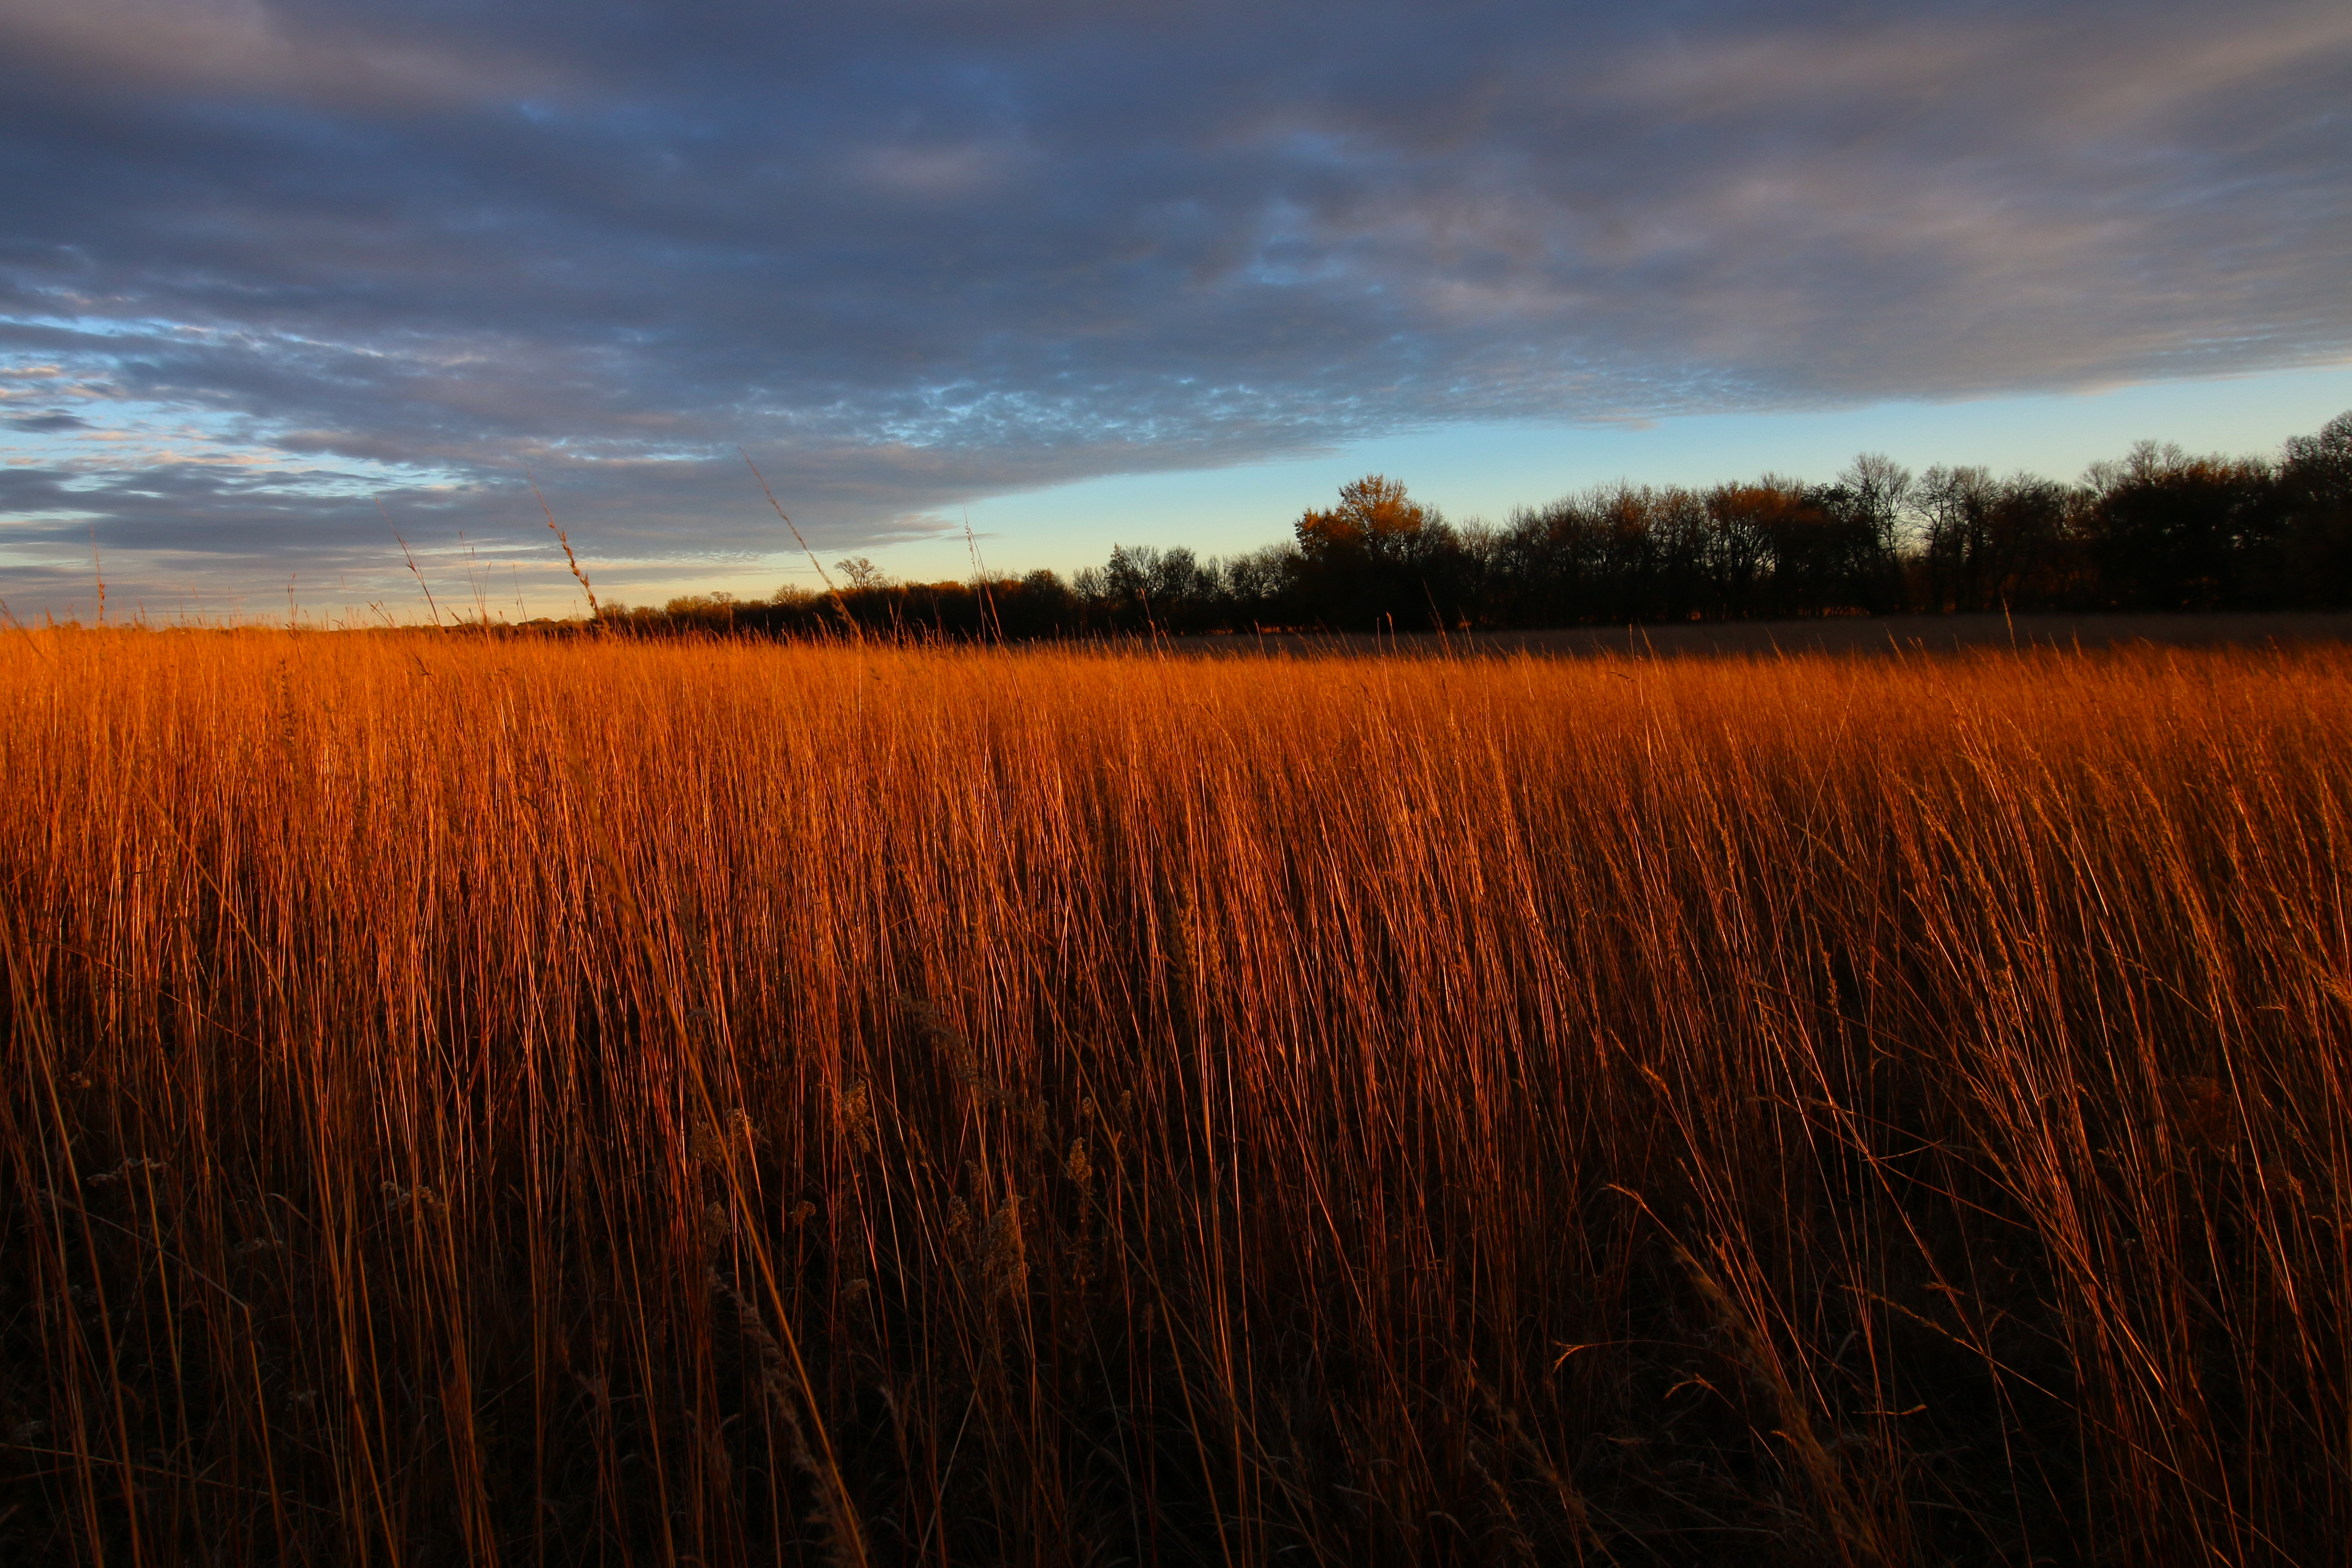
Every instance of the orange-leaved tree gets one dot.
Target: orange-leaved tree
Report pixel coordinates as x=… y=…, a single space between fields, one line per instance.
x=1374 y=518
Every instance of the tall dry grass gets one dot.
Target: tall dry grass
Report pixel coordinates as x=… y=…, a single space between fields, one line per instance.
x=503 y=1101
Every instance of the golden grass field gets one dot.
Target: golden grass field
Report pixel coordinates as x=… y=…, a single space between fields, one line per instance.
x=531 y=1101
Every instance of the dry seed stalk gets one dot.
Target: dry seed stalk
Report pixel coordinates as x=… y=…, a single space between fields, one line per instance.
x=595 y=612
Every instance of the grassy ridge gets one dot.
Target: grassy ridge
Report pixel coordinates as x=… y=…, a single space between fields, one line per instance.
x=626 y=1103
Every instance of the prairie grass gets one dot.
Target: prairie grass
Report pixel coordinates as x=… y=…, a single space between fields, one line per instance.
x=511 y=1101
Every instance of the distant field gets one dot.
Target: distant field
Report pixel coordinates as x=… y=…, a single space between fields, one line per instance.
x=504 y=1101
x=1895 y=635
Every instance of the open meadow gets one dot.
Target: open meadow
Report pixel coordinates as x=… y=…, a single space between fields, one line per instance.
x=522 y=1101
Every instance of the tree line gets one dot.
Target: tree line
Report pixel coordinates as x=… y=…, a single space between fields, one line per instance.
x=2157 y=531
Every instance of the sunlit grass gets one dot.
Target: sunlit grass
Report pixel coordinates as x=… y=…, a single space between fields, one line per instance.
x=499 y=1100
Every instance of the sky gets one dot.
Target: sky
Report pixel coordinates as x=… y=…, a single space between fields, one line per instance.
x=284 y=282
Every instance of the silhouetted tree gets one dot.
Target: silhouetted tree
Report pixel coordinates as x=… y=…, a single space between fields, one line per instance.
x=1261 y=588
x=1990 y=544
x=2177 y=532
x=2311 y=560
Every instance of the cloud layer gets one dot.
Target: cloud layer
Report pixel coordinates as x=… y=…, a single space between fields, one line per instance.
x=263 y=261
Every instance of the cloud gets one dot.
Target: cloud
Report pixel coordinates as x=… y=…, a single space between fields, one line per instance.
x=247 y=48
x=915 y=251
